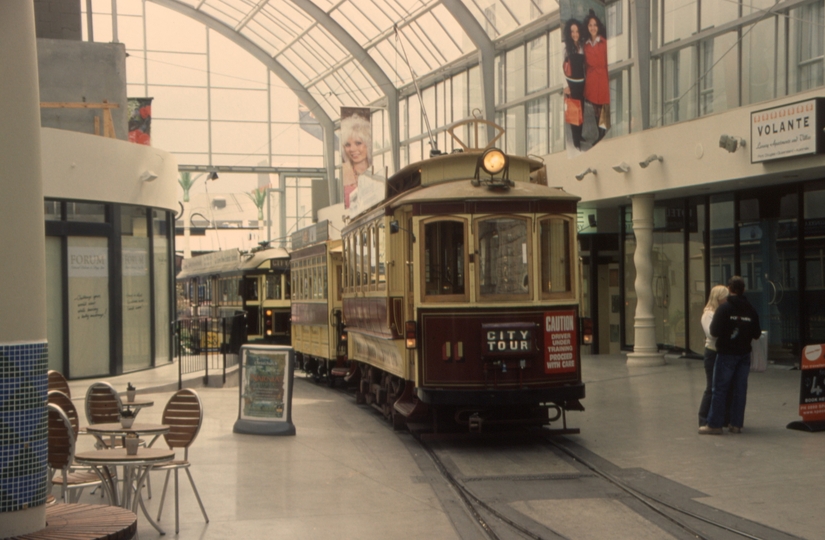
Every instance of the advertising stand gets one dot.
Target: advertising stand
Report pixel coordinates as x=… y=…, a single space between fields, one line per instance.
x=811 y=390
x=265 y=390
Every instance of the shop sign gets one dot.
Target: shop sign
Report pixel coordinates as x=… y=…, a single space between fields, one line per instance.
x=791 y=130
x=812 y=388
x=266 y=376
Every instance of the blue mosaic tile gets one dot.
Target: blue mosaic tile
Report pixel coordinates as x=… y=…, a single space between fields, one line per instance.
x=24 y=442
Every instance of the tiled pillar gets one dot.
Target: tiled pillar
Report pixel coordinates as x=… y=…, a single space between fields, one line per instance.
x=645 y=350
x=23 y=354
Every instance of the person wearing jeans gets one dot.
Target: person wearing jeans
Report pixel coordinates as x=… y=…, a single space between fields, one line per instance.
x=735 y=324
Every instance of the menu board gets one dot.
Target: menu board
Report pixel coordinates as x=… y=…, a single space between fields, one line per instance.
x=265 y=406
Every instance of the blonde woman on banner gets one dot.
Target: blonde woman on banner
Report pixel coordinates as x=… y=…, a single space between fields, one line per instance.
x=356 y=152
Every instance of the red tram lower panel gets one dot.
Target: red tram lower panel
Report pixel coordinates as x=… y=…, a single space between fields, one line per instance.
x=500 y=357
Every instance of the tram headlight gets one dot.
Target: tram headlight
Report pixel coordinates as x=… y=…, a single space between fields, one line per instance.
x=410 y=334
x=493 y=161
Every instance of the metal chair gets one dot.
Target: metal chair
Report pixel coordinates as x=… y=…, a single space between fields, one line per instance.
x=61 y=456
x=58 y=382
x=184 y=416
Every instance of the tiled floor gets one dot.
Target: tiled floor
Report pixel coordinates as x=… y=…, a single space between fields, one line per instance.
x=346 y=474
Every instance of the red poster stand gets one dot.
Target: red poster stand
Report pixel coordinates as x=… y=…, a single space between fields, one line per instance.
x=811 y=390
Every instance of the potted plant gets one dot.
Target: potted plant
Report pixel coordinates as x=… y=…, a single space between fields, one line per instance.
x=127 y=417
x=130 y=393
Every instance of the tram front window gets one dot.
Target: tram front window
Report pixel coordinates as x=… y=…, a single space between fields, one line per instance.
x=444 y=258
x=554 y=247
x=503 y=255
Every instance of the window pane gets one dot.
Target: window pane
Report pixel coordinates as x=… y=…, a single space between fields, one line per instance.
x=554 y=246
x=54 y=302
x=719 y=66
x=814 y=298
x=444 y=258
x=515 y=74
x=537 y=64
x=678 y=85
x=88 y=212
x=721 y=239
x=137 y=353
x=537 y=127
x=716 y=13
x=88 y=306
x=696 y=275
x=51 y=211
x=807 y=41
x=557 y=124
x=679 y=19
x=759 y=62
x=161 y=292
x=503 y=256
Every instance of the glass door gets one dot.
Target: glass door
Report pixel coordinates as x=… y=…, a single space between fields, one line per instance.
x=769 y=264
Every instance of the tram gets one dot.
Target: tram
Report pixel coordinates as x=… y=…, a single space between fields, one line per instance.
x=317 y=325
x=223 y=284
x=460 y=293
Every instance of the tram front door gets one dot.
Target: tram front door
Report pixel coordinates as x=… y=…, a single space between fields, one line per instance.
x=768 y=256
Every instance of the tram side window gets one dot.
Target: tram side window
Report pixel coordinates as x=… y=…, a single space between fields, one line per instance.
x=444 y=258
x=503 y=253
x=380 y=242
x=554 y=247
x=371 y=238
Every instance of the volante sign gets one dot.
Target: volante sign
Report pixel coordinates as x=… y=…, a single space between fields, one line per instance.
x=787 y=131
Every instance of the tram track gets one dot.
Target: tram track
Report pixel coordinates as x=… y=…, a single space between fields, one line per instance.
x=673 y=520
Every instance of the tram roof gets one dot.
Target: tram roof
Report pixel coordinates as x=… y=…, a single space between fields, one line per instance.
x=459 y=190
x=260 y=257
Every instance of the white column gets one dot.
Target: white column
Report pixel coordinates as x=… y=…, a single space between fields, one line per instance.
x=645 y=351
x=23 y=273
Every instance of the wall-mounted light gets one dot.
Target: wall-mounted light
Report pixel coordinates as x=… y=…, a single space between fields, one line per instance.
x=584 y=173
x=148 y=176
x=621 y=167
x=650 y=159
x=730 y=142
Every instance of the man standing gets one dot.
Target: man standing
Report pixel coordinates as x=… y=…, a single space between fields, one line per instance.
x=735 y=324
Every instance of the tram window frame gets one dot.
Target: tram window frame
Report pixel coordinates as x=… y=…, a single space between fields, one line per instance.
x=570 y=282
x=427 y=235
x=372 y=257
x=344 y=286
x=527 y=246
x=381 y=249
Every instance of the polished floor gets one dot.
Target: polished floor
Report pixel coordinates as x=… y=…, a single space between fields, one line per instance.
x=345 y=474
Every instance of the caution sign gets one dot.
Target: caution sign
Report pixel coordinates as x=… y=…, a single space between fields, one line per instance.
x=561 y=342
x=812 y=388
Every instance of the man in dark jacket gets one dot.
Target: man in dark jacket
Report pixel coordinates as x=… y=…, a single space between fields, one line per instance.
x=735 y=324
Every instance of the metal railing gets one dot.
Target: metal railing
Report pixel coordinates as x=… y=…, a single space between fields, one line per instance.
x=208 y=344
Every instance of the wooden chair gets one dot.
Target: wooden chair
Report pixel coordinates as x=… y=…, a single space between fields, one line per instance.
x=184 y=416
x=58 y=382
x=103 y=404
x=62 y=400
x=61 y=456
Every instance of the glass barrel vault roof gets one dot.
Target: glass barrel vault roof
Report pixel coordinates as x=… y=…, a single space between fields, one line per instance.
x=309 y=38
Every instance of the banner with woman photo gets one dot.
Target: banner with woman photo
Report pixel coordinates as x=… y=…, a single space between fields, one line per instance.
x=587 y=84
x=362 y=189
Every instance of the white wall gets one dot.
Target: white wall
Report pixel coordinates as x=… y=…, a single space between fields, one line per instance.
x=95 y=168
x=694 y=164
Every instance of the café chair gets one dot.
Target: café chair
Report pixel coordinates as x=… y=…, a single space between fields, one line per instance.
x=56 y=381
x=61 y=457
x=184 y=416
x=103 y=404
x=62 y=400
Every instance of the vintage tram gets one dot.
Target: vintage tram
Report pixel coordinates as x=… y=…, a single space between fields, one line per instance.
x=317 y=325
x=461 y=297
x=255 y=285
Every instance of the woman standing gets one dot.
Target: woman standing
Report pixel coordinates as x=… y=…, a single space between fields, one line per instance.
x=718 y=294
x=597 y=86
x=356 y=151
x=574 y=73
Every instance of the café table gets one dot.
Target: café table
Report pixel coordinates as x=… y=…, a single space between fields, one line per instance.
x=115 y=429
x=135 y=405
x=135 y=470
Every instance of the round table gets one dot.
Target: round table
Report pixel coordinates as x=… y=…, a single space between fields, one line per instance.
x=136 y=466
x=115 y=429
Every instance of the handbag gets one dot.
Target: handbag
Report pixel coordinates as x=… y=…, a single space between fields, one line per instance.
x=759 y=353
x=572 y=111
x=604 y=117
x=568 y=71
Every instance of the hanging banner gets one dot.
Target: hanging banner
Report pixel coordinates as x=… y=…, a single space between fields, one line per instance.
x=362 y=189
x=140 y=120
x=586 y=81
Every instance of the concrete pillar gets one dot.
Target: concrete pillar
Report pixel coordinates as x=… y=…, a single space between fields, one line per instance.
x=23 y=353
x=645 y=352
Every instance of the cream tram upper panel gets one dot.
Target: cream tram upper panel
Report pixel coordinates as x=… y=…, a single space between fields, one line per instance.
x=462 y=190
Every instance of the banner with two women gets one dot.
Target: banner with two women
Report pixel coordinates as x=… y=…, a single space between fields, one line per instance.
x=587 y=84
x=362 y=188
